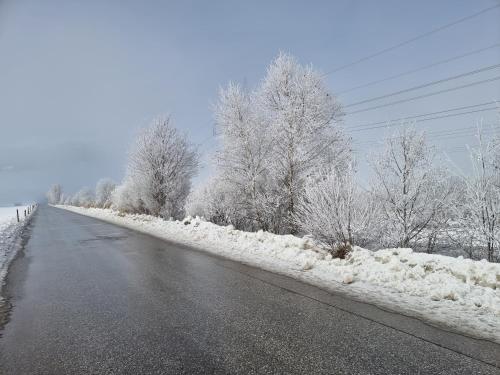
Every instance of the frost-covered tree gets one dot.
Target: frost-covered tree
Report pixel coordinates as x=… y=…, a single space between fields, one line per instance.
x=161 y=165
x=63 y=198
x=272 y=140
x=495 y=151
x=300 y=114
x=54 y=194
x=243 y=160
x=480 y=208
x=83 y=198
x=216 y=202
x=334 y=210
x=103 y=192
x=443 y=195
x=67 y=200
x=196 y=201
x=409 y=187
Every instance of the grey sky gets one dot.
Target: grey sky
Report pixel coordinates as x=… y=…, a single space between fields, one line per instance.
x=78 y=78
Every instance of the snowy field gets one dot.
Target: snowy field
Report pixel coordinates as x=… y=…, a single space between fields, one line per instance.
x=7 y=214
x=9 y=228
x=456 y=293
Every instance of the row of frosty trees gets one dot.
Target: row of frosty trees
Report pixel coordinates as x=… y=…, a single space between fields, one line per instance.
x=284 y=165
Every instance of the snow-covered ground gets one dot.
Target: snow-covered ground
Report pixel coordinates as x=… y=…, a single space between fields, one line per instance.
x=8 y=214
x=458 y=293
x=9 y=229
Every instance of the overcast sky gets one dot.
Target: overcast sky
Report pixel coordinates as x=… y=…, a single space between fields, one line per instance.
x=79 y=78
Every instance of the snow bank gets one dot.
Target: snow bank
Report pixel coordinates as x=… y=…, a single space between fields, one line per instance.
x=9 y=229
x=452 y=292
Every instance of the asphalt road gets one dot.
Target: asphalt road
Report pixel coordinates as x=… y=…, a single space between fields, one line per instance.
x=92 y=298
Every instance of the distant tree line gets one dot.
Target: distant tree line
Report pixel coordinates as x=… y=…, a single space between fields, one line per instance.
x=285 y=165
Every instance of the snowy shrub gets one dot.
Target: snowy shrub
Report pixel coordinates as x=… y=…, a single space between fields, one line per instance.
x=83 y=198
x=125 y=198
x=215 y=202
x=334 y=211
x=103 y=191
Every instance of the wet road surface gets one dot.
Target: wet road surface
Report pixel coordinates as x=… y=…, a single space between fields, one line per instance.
x=89 y=297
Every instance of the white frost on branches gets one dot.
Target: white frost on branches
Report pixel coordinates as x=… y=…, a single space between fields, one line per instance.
x=272 y=140
x=103 y=192
x=161 y=165
x=215 y=202
x=334 y=210
x=84 y=198
x=54 y=194
x=411 y=189
x=300 y=113
x=479 y=211
x=243 y=161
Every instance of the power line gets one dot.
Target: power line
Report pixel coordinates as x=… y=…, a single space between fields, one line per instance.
x=447 y=133
x=430 y=118
x=457 y=148
x=442 y=137
x=425 y=95
x=428 y=84
x=452 y=131
x=402 y=119
x=399 y=75
x=463 y=134
x=411 y=40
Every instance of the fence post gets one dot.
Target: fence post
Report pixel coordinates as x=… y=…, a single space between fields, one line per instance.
x=24 y=213
x=17 y=211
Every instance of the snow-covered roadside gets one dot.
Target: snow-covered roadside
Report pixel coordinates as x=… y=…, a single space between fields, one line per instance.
x=9 y=231
x=453 y=292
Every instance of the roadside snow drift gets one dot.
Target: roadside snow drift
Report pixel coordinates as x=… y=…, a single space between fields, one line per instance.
x=9 y=229
x=452 y=292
